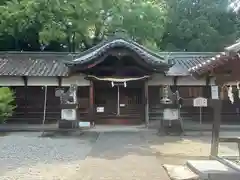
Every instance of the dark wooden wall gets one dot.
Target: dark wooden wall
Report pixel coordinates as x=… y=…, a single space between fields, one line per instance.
x=230 y=112
x=188 y=112
x=30 y=104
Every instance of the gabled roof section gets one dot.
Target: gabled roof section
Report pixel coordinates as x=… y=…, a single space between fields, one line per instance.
x=184 y=60
x=148 y=56
x=215 y=61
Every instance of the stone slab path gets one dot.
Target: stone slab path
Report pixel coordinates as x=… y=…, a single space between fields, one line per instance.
x=122 y=155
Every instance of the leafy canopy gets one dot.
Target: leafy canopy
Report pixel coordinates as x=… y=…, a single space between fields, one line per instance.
x=84 y=22
x=72 y=25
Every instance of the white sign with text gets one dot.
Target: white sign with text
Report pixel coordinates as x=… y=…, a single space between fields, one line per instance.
x=200 y=102
x=100 y=109
x=170 y=114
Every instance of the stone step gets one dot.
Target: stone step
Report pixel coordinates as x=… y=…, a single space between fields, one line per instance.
x=178 y=172
x=212 y=170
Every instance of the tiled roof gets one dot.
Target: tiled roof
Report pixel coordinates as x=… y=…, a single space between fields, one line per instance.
x=33 y=64
x=53 y=64
x=216 y=60
x=184 y=60
x=148 y=56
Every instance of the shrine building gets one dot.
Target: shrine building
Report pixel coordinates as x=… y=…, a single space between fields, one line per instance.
x=119 y=82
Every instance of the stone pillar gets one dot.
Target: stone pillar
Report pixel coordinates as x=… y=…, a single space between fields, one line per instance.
x=69 y=106
x=217 y=107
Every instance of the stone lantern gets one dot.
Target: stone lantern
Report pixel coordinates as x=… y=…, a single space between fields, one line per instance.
x=69 y=106
x=171 y=120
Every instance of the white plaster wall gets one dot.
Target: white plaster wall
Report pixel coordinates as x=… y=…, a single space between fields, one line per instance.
x=77 y=79
x=42 y=81
x=11 y=81
x=189 y=80
x=160 y=79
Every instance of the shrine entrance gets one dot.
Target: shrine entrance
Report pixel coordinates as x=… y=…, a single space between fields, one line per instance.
x=119 y=103
x=117 y=70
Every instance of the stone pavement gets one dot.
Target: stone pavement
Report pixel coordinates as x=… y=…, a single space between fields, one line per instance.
x=140 y=154
x=123 y=156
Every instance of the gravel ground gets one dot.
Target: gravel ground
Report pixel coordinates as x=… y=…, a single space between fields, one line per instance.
x=177 y=150
x=25 y=156
x=94 y=156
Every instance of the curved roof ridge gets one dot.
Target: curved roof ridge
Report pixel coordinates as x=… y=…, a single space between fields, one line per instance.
x=118 y=41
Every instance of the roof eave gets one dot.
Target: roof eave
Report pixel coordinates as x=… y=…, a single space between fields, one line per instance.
x=233 y=48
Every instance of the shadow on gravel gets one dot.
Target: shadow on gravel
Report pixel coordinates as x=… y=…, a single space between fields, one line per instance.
x=116 y=145
x=91 y=136
x=4 y=134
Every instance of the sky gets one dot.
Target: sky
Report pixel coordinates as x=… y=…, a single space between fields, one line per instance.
x=234 y=5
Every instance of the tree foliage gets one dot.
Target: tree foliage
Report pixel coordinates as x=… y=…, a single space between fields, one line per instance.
x=83 y=23
x=6 y=103
x=69 y=25
x=200 y=25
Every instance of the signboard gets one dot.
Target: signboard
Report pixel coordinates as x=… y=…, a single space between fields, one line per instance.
x=170 y=114
x=69 y=114
x=214 y=92
x=100 y=109
x=200 y=102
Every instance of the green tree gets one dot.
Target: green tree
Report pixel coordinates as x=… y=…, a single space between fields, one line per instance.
x=80 y=24
x=199 y=25
x=6 y=103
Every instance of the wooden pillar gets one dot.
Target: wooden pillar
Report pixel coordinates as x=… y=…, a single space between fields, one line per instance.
x=175 y=80
x=25 y=80
x=217 y=106
x=91 y=103
x=59 y=81
x=161 y=129
x=146 y=100
x=207 y=88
